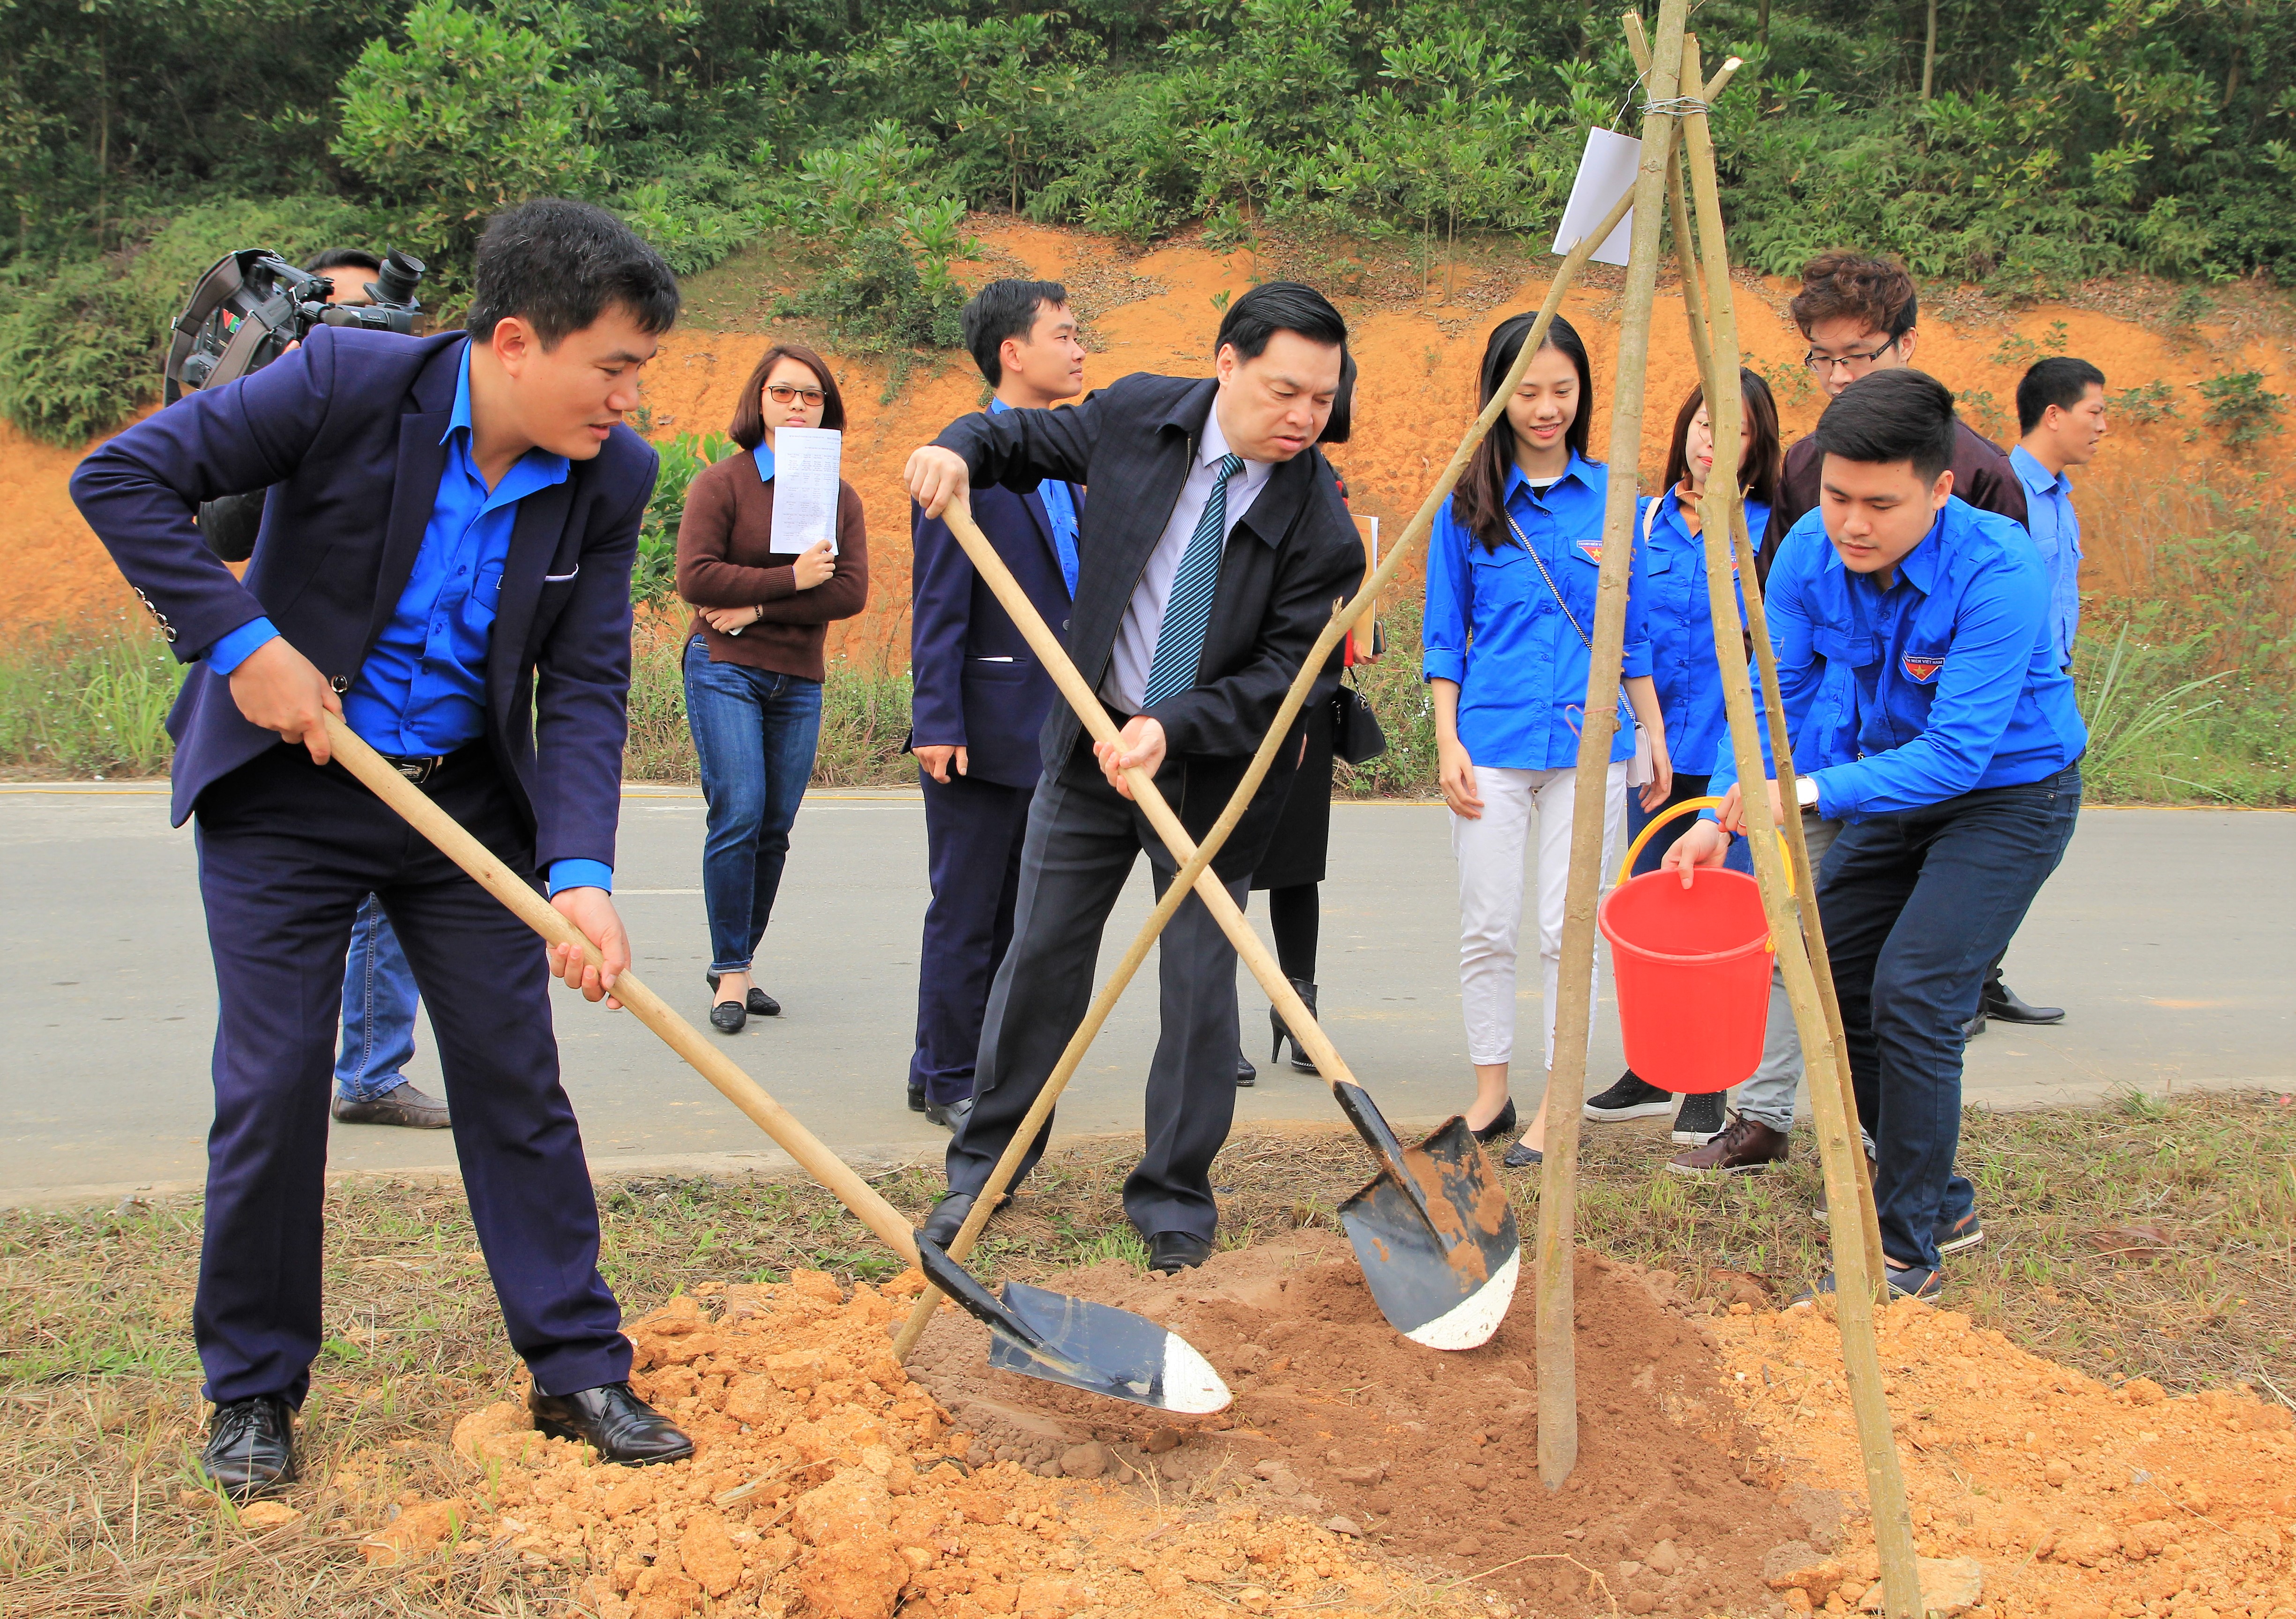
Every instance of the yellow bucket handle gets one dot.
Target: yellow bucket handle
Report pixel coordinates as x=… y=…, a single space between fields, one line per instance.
x=1687 y=807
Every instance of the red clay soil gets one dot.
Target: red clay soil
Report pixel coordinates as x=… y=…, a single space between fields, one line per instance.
x=1429 y=1455
x=1156 y=313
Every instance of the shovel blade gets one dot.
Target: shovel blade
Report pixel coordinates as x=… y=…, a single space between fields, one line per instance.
x=1443 y=1280
x=1106 y=1351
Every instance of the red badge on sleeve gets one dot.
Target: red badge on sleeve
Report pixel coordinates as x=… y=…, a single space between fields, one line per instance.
x=1922 y=670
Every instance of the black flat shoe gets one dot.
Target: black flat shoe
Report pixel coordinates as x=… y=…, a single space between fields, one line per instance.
x=2000 y=1001
x=613 y=1421
x=760 y=1003
x=250 y=1448
x=402 y=1104
x=947 y=1219
x=1974 y=1027
x=1245 y=1074
x=1174 y=1251
x=1520 y=1157
x=951 y=1114
x=1501 y=1124
x=727 y=1016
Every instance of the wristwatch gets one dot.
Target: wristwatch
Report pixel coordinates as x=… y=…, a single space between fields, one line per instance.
x=1806 y=791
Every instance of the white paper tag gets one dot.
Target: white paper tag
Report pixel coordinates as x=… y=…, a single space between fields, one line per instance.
x=1605 y=173
x=806 y=461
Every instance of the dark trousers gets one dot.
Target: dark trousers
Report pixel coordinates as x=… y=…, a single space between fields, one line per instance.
x=1916 y=906
x=1081 y=843
x=287 y=852
x=974 y=832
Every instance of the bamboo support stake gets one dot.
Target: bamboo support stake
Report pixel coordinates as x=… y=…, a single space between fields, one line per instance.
x=1855 y=1284
x=1677 y=206
x=1185 y=880
x=1566 y=1082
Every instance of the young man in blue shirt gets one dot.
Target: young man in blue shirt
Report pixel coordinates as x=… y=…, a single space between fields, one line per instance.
x=2061 y=416
x=1965 y=793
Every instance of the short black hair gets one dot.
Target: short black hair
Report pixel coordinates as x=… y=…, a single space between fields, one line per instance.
x=342 y=258
x=1899 y=414
x=558 y=264
x=1004 y=309
x=2059 y=380
x=1279 y=306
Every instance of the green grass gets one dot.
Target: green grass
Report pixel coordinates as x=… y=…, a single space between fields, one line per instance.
x=87 y=703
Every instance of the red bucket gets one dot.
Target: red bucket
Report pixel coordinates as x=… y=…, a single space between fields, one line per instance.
x=1693 y=969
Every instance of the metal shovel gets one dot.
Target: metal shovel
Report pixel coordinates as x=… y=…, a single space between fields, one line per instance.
x=1036 y=1333
x=1433 y=1230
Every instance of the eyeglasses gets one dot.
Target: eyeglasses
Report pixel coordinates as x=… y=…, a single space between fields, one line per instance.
x=781 y=393
x=1824 y=363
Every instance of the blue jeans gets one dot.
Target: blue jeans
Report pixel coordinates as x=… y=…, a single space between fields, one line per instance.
x=754 y=733
x=1916 y=906
x=378 y=1009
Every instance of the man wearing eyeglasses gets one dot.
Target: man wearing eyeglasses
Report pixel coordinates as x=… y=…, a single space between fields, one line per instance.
x=1859 y=313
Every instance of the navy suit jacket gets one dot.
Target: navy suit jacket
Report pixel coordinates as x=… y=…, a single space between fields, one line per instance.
x=345 y=433
x=966 y=693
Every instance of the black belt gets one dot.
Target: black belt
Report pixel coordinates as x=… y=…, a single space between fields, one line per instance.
x=417 y=768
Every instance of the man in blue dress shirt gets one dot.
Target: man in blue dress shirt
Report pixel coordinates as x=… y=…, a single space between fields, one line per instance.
x=979 y=695
x=1963 y=796
x=2061 y=416
x=444 y=562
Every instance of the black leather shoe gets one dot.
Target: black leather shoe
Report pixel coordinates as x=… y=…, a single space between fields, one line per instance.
x=727 y=1016
x=612 y=1420
x=947 y=1217
x=1245 y=1074
x=251 y=1448
x=1974 y=1027
x=1502 y=1125
x=2001 y=1002
x=1174 y=1251
x=951 y=1114
x=402 y=1104
x=917 y=1103
x=1301 y=1060
x=1520 y=1157
x=759 y=1004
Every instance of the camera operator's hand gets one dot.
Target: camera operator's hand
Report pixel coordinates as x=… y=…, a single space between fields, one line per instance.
x=277 y=688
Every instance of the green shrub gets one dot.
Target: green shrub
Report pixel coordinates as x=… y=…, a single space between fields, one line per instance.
x=2241 y=407
x=653 y=581
x=2155 y=401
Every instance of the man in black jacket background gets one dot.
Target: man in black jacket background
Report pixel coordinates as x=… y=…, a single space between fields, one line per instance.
x=1213 y=550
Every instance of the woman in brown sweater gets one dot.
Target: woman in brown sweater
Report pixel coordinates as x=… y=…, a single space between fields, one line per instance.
x=753 y=662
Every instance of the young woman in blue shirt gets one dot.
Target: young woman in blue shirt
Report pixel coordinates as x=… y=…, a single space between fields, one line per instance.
x=1511 y=580
x=1683 y=665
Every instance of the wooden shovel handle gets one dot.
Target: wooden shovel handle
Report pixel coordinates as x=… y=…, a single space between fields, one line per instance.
x=414 y=807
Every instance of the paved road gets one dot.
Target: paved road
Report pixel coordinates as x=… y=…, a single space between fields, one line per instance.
x=2166 y=932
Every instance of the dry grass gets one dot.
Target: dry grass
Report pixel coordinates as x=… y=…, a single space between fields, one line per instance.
x=2143 y=1239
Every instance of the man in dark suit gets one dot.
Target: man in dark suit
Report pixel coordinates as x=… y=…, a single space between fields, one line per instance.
x=444 y=562
x=979 y=697
x=1214 y=550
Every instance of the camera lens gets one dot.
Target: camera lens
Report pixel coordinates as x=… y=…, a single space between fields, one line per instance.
x=396 y=281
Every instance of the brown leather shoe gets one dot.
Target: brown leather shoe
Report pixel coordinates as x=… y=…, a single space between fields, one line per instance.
x=1744 y=1146
x=401 y=1105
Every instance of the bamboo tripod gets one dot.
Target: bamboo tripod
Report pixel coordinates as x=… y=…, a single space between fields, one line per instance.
x=1677 y=153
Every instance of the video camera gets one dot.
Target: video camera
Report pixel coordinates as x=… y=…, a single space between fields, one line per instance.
x=253 y=304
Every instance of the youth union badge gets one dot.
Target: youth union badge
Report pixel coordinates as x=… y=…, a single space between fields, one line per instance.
x=1922 y=670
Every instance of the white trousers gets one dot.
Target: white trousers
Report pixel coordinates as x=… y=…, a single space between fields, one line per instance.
x=1489 y=852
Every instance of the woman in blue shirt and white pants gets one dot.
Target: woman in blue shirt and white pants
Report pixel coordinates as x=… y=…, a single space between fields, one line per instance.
x=1511 y=578
x=1685 y=670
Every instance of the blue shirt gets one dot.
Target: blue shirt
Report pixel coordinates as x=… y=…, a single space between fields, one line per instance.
x=1493 y=626
x=1956 y=681
x=1681 y=626
x=423 y=689
x=1060 y=514
x=2056 y=534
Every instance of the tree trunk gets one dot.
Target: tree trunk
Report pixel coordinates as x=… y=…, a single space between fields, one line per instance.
x=1762 y=23
x=1929 y=54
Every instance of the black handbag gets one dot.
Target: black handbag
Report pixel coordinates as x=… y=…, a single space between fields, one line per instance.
x=1355 y=735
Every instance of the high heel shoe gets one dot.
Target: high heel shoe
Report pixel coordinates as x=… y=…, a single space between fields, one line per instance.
x=1300 y=1061
x=1502 y=1125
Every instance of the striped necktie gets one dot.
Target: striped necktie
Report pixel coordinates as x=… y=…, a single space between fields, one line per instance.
x=1180 y=643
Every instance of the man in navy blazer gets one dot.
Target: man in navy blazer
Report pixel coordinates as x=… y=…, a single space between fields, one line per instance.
x=444 y=562
x=979 y=696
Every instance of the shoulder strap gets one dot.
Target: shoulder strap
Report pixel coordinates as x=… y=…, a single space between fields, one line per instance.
x=1541 y=563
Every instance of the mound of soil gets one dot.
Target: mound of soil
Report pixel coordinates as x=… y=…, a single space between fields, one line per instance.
x=2079 y=1500
x=825 y=1482
x=1431 y=1455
